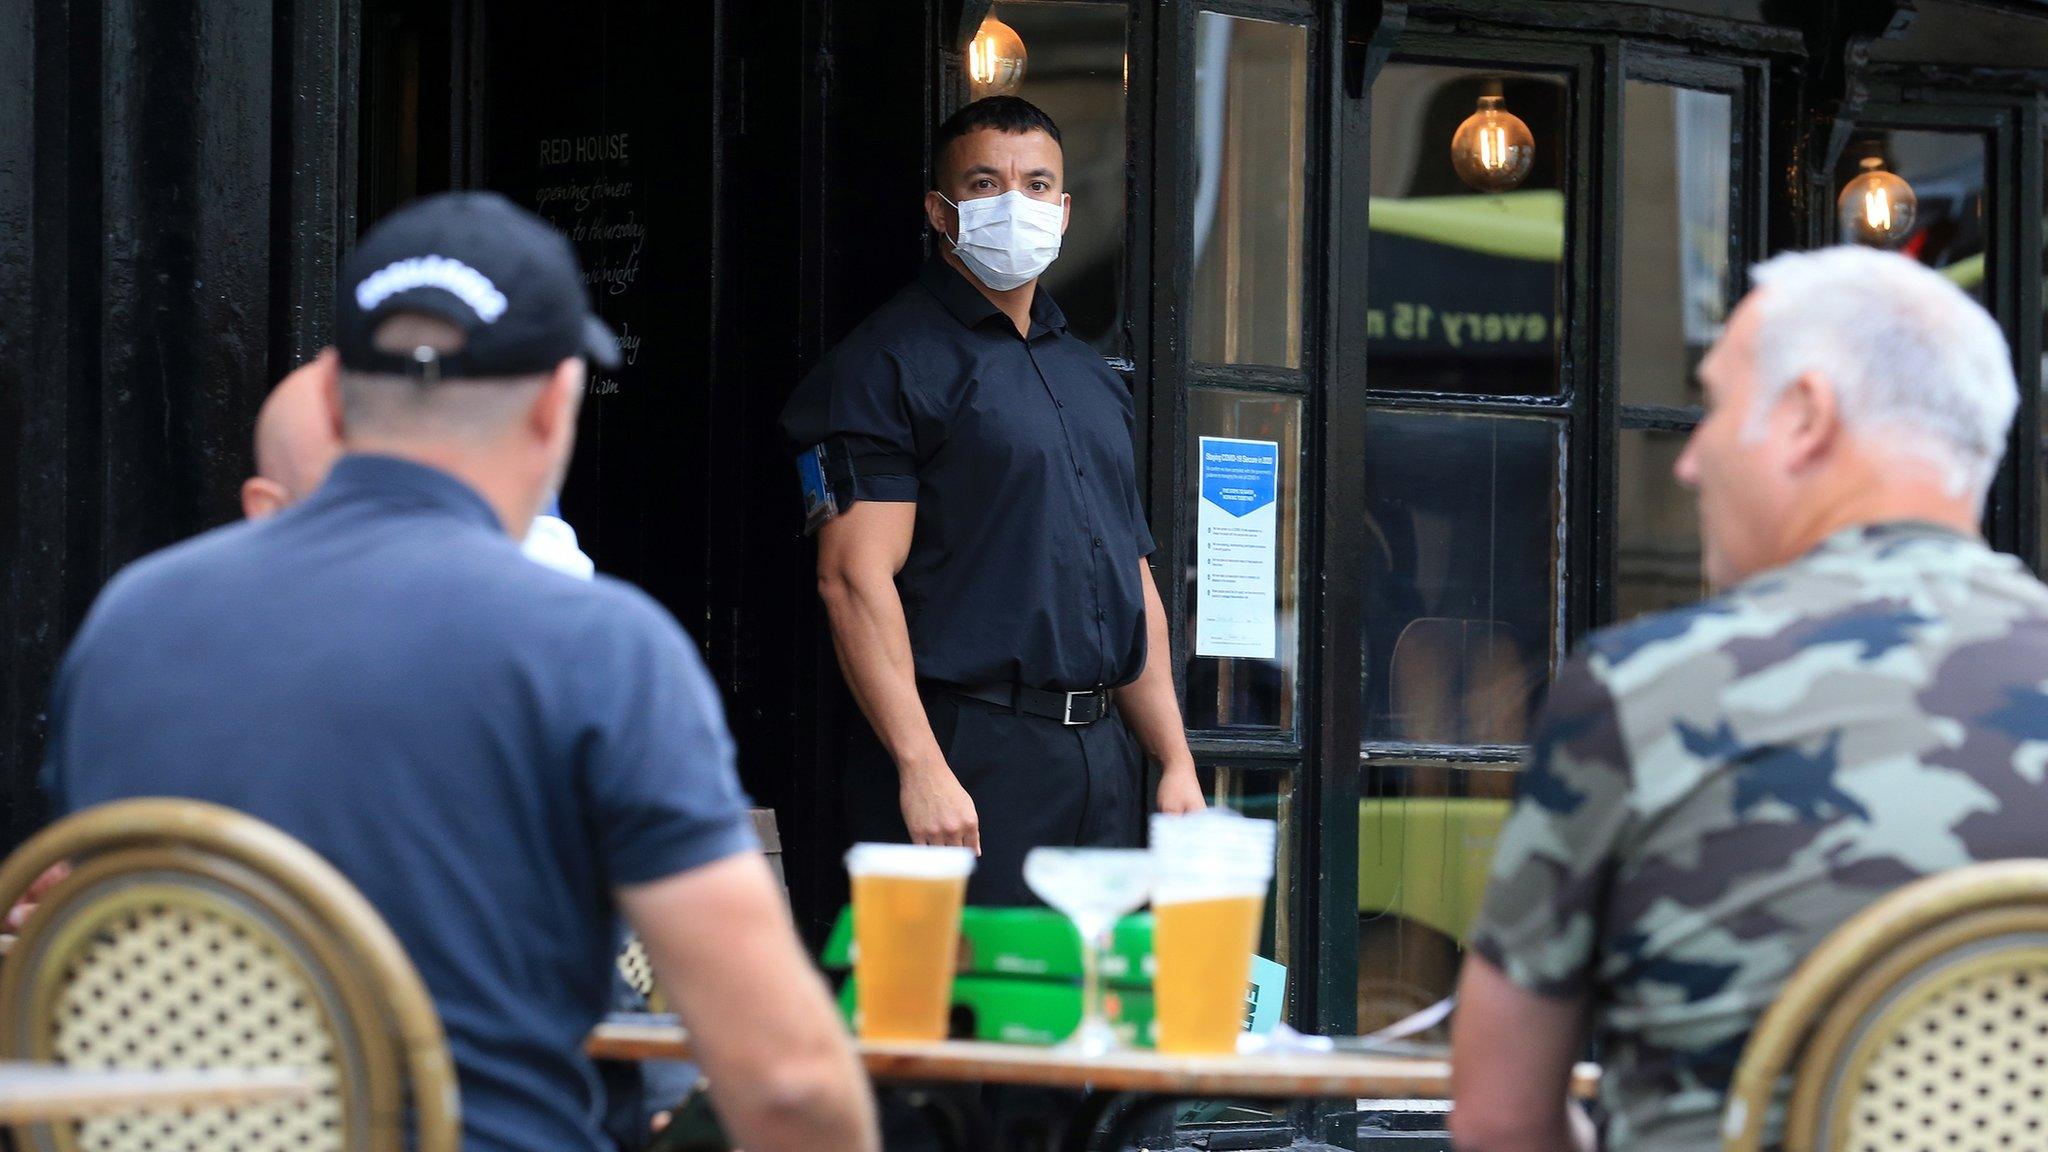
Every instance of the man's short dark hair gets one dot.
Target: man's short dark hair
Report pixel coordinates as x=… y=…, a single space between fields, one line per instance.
x=1002 y=113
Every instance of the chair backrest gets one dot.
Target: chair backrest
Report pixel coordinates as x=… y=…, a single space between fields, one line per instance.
x=1920 y=1024
x=634 y=966
x=188 y=935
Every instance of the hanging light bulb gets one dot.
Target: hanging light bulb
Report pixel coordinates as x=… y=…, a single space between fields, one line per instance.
x=1493 y=150
x=995 y=60
x=1876 y=207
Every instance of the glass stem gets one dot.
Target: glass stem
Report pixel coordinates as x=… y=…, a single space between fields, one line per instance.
x=1091 y=975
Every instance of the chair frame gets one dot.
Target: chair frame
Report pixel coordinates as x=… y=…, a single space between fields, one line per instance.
x=200 y=850
x=1856 y=981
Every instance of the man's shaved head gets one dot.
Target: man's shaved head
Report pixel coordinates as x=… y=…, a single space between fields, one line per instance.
x=296 y=440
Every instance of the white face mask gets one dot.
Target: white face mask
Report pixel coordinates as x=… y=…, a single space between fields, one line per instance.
x=1008 y=240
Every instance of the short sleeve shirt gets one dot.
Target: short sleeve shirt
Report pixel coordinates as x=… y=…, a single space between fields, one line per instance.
x=1713 y=790
x=1024 y=561
x=486 y=747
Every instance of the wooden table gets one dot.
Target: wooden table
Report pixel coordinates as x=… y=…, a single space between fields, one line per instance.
x=32 y=1093
x=1140 y=1077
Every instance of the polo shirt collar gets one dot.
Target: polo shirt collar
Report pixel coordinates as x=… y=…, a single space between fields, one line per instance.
x=362 y=475
x=971 y=308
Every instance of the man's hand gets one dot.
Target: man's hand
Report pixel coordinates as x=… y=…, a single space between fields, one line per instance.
x=1180 y=792
x=937 y=810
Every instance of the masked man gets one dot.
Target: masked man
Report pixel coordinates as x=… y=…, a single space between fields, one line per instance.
x=967 y=468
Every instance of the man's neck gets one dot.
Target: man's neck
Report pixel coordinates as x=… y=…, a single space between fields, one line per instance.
x=512 y=500
x=1016 y=303
x=1884 y=503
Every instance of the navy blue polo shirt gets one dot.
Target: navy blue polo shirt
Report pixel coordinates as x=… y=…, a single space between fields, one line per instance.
x=486 y=747
x=1024 y=562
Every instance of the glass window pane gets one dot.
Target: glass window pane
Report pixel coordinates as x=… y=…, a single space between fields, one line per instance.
x=1250 y=132
x=1657 y=557
x=1461 y=606
x=1075 y=72
x=1466 y=287
x=1267 y=792
x=1676 y=149
x=1244 y=476
x=1426 y=836
x=1947 y=173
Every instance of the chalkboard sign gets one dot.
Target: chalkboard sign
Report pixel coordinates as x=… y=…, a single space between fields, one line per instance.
x=600 y=118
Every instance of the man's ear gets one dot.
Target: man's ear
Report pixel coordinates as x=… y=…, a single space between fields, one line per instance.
x=328 y=366
x=554 y=410
x=1813 y=419
x=263 y=497
x=940 y=215
x=1066 y=211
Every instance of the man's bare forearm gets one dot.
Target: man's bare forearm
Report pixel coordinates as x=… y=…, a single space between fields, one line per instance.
x=1148 y=703
x=872 y=640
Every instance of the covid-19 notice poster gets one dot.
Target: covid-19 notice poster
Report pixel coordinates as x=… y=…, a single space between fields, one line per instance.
x=1237 y=529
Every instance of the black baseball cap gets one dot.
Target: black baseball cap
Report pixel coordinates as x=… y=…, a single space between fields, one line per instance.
x=503 y=275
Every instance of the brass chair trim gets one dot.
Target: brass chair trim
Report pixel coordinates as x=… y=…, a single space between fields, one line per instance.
x=376 y=1085
x=1850 y=1037
x=1781 y=1034
x=370 y=956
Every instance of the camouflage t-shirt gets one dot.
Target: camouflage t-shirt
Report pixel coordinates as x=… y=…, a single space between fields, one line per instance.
x=1712 y=790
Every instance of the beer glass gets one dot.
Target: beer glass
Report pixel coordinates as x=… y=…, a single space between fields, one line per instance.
x=1210 y=874
x=906 y=932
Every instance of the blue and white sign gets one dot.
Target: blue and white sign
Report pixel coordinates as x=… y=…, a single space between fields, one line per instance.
x=1237 y=529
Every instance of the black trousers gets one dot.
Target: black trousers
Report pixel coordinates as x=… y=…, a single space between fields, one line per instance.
x=1034 y=782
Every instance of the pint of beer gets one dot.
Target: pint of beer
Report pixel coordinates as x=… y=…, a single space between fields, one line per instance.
x=906 y=930
x=1209 y=894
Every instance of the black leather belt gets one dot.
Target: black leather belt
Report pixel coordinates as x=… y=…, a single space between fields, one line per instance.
x=1074 y=709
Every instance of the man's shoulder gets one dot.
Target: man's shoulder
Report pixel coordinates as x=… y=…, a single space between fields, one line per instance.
x=907 y=328
x=179 y=572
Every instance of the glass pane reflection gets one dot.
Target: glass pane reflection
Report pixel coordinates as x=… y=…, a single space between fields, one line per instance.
x=1076 y=74
x=1466 y=288
x=1250 y=132
x=1426 y=836
x=1462 y=536
x=1657 y=557
x=1676 y=150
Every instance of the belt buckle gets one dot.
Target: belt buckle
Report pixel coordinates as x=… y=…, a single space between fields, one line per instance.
x=1068 y=712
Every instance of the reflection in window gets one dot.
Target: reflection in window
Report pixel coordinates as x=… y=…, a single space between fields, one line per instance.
x=1461 y=605
x=1947 y=171
x=1657 y=558
x=1676 y=149
x=1426 y=836
x=1466 y=288
x=1229 y=610
x=1250 y=131
x=1076 y=74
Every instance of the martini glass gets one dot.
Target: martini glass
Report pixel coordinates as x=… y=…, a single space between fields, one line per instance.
x=1092 y=887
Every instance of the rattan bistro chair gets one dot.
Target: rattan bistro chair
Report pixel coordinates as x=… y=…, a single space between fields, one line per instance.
x=1921 y=1025
x=191 y=936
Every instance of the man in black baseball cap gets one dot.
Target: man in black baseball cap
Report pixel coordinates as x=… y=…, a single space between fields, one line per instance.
x=499 y=274
x=501 y=756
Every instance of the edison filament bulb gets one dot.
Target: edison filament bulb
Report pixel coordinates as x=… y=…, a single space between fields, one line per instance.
x=1877 y=207
x=995 y=60
x=1493 y=150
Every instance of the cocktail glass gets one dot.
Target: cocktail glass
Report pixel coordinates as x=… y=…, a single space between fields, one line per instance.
x=1093 y=887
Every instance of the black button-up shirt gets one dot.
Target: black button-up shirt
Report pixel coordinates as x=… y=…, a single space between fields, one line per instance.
x=1024 y=563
